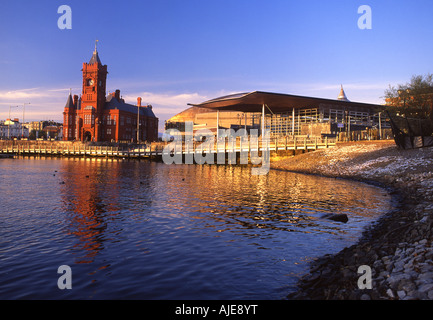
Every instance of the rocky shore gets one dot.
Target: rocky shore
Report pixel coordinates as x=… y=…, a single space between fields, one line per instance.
x=398 y=247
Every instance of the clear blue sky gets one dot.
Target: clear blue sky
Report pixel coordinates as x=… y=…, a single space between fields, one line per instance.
x=174 y=52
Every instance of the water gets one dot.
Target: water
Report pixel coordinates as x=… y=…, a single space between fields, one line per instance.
x=146 y=230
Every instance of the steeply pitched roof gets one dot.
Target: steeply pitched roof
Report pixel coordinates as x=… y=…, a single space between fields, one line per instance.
x=342 y=95
x=113 y=103
x=69 y=102
x=95 y=58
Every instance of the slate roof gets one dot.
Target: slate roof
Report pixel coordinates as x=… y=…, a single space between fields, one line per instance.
x=69 y=102
x=95 y=58
x=113 y=103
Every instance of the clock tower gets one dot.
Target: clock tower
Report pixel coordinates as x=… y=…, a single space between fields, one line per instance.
x=97 y=117
x=93 y=97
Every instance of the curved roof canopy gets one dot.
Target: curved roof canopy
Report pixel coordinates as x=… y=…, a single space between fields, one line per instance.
x=276 y=102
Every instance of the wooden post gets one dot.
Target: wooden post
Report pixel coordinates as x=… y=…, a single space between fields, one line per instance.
x=217 y=127
x=380 y=126
x=293 y=122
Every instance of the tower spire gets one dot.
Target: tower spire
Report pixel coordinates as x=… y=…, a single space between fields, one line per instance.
x=342 y=95
x=95 y=56
x=69 y=102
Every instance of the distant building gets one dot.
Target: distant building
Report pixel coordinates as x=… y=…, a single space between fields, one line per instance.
x=36 y=125
x=11 y=129
x=95 y=116
x=52 y=132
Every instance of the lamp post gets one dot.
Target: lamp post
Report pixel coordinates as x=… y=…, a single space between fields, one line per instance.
x=138 y=125
x=22 y=126
x=9 y=123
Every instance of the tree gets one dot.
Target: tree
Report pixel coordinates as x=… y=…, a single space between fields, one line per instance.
x=39 y=134
x=413 y=99
x=32 y=135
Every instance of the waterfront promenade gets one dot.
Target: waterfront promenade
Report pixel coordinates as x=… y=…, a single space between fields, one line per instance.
x=155 y=150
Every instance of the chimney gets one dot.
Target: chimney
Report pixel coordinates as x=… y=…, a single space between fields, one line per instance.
x=75 y=101
x=117 y=94
x=149 y=106
x=139 y=102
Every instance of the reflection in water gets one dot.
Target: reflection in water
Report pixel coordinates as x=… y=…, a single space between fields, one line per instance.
x=148 y=230
x=288 y=202
x=92 y=198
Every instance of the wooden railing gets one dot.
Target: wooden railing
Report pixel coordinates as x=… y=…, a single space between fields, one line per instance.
x=59 y=148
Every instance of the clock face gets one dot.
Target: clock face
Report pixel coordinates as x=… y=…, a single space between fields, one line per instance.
x=90 y=82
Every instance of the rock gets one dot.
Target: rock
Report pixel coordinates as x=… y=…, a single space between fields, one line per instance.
x=429 y=255
x=340 y=217
x=390 y=293
x=395 y=279
x=426 y=288
x=408 y=266
x=423 y=242
x=365 y=297
x=378 y=264
x=401 y=294
x=399 y=247
x=398 y=266
x=426 y=276
x=407 y=285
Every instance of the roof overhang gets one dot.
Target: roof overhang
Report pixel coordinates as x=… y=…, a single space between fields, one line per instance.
x=276 y=102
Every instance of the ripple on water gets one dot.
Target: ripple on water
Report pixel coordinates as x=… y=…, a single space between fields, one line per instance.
x=145 y=230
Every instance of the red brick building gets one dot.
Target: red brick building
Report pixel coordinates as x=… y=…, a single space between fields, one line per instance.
x=95 y=116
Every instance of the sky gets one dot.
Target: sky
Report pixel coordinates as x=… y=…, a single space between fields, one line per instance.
x=175 y=52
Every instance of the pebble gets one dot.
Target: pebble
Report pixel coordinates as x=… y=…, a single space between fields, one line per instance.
x=401 y=294
x=399 y=250
x=390 y=293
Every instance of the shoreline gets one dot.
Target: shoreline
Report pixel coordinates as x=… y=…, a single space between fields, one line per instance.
x=398 y=246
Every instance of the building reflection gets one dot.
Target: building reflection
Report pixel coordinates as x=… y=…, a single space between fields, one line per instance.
x=100 y=194
x=89 y=199
x=230 y=199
